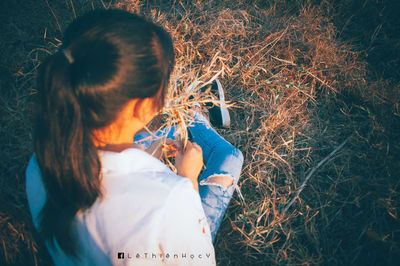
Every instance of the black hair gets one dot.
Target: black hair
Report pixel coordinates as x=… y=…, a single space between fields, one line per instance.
x=107 y=58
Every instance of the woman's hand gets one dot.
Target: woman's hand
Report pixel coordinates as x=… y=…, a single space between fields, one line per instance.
x=156 y=149
x=189 y=162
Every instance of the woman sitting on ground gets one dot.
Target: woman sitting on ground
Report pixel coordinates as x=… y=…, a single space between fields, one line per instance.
x=98 y=198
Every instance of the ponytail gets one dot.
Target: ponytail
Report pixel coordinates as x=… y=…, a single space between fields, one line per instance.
x=65 y=152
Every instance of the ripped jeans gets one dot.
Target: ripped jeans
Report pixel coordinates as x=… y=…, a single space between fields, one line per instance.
x=220 y=159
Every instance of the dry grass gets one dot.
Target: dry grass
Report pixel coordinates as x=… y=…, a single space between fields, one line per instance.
x=298 y=91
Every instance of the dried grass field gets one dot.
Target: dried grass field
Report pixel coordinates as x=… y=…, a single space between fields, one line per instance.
x=314 y=87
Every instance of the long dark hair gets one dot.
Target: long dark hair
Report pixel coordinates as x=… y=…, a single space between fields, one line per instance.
x=108 y=57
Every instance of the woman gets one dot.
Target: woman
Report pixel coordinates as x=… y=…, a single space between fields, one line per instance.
x=95 y=197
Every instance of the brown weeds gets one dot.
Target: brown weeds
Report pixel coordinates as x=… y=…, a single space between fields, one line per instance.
x=294 y=90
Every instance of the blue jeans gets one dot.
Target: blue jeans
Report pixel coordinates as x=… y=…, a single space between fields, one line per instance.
x=219 y=157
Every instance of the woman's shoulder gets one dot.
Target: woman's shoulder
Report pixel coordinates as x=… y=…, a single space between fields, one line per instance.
x=134 y=171
x=128 y=161
x=132 y=177
x=136 y=181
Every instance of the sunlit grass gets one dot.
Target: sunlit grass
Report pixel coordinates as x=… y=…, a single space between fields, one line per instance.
x=296 y=91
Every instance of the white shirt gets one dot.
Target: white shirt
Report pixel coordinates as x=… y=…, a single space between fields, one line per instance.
x=148 y=213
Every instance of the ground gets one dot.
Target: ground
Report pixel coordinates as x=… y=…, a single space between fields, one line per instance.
x=315 y=91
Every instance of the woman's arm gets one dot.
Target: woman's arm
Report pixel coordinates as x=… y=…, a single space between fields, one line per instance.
x=189 y=162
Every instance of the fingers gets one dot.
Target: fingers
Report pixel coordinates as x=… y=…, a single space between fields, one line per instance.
x=179 y=147
x=196 y=146
x=190 y=161
x=192 y=145
x=170 y=142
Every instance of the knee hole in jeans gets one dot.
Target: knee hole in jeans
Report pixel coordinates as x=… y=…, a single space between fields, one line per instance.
x=224 y=181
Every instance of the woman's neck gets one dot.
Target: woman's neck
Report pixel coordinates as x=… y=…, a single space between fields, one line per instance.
x=116 y=147
x=116 y=137
x=119 y=135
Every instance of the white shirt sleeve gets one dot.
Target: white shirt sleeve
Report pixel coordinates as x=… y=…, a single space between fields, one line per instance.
x=185 y=236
